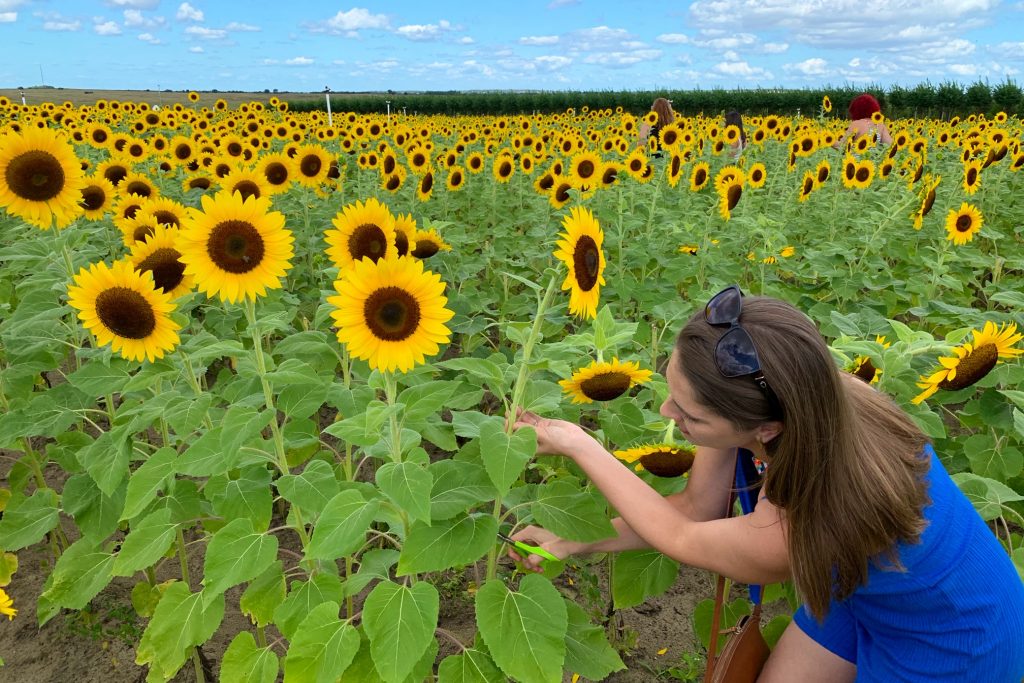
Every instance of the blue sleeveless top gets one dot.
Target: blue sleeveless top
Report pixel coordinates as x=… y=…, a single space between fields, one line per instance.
x=955 y=614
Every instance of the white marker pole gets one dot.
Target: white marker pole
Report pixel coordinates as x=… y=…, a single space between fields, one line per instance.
x=388 y=102
x=327 y=96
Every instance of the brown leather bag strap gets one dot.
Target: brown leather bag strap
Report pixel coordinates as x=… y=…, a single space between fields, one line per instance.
x=716 y=618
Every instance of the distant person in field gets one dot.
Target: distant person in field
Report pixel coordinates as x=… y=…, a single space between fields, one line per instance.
x=666 y=116
x=861 y=109
x=733 y=118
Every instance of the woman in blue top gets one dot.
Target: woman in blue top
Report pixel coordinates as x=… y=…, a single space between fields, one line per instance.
x=900 y=577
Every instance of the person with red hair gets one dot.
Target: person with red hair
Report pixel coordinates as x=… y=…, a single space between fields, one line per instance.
x=861 y=110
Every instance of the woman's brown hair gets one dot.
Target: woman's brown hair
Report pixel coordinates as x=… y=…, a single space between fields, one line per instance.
x=664 y=109
x=847 y=468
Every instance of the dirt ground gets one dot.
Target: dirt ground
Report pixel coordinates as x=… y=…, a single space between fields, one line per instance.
x=73 y=648
x=161 y=97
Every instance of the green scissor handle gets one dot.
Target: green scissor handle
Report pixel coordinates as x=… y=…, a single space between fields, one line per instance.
x=526 y=549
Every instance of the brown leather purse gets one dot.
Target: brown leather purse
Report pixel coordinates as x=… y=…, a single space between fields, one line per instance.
x=745 y=652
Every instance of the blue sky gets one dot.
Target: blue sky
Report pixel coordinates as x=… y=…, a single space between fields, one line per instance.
x=549 y=45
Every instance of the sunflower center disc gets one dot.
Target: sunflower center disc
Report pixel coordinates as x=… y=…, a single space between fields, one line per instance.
x=276 y=173
x=585 y=169
x=36 y=176
x=235 y=246
x=140 y=189
x=700 y=177
x=606 y=386
x=425 y=248
x=141 y=232
x=392 y=314
x=866 y=370
x=972 y=367
x=587 y=260
x=310 y=165
x=667 y=463
x=126 y=313
x=862 y=175
x=167 y=270
x=735 y=192
x=93 y=198
x=401 y=243
x=963 y=223
x=428 y=183
x=367 y=241
x=167 y=218
x=247 y=189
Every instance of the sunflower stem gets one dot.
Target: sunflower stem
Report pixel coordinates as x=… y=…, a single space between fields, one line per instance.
x=190 y=375
x=391 y=393
x=524 y=368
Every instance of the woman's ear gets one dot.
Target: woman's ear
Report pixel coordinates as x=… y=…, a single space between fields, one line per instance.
x=767 y=431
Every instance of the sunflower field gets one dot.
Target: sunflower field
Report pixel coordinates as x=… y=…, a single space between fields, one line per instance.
x=260 y=360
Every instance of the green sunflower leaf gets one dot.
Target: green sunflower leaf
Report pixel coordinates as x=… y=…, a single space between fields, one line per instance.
x=342 y=526
x=322 y=648
x=146 y=543
x=400 y=623
x=505 y=456
x=27 y=519
x=246 y=661
x=447 y=544
x=235 y=554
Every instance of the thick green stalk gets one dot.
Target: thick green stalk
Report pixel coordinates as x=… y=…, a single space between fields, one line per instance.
x=391 y=393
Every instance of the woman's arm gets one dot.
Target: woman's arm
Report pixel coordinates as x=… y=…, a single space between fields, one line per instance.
x=645 y=130
x=750 y=548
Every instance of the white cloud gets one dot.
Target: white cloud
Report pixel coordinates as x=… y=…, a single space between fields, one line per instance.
x=206 y=33
x=729 y=42
x=107 y=28
x=141 y=4
x=538 y=40
x=673 y=38
x=196 y=49
x=774 y=48
x=622 y=59
x=351 y=22
x=135 y=18
x=149 y=38
x=465 y=40
x=8 y=17
x=552 y=62
x=298 y=61
x=815 y=66
x=963 y=69
x=555 y=4
x=62 y=25
x=187 y=12
x=731 y=56
x=743 y=70
x=8 y=5
x=424 y=32
x=1009 y=50
x=242 y=28
x=598 y=38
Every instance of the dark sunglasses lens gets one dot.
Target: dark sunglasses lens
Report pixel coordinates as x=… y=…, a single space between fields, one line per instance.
x=735 y=354
x=724 y=307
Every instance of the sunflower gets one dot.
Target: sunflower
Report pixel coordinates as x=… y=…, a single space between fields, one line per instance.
x=757 y=175
x=610 y=173
x=235 y=248
x=807 y=186
x=475 y=162
x=580 y=250
x=390 y=312
x=661 y=460
x=558 y=195
x=826 y=104
x=405 y=233
x=862 y=366
x=963 y=223
x=690 y=249
x=428 y=243
x=277 y=172
x=699 y=176
x=727 y=175
x=158 y=255
x=7 y=608
x=503 y=168
x=863 y=175
x=97 y=198
x=197 y=182
x=41 y=179
x=822 y=172
x=636 y=163
x=121 y=307
x=729 y=197
x=674 y=170
x=972 y=360
x=193 y=96
x=849 y=171
x=603 y=381
x=456 y=179
x=361 y=231
x=927 y=200
x=972 y=176
x=136 y=229
x=137 y=184
x=425 y=187
x=584 y=169
x=312 y=164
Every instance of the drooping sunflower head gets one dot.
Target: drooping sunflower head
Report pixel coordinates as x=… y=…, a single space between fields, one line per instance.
x=729 y=196
x=971 y=361
x=98 y=197
x=603 y=381
x=972 y=176
x=405 y=233
x=699 y=177
x=41 y=179
x=158 y=255
x=121 y=307
x=807 y=186
x=963 y=223
x=661 y=460
x=235 y=248
x=822 y=172
x=580 y=249
x=426 y=243
x=390 y=312
x=361 y=231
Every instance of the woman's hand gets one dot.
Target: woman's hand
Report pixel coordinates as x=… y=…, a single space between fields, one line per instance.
x=554 y=437
x=535 y=535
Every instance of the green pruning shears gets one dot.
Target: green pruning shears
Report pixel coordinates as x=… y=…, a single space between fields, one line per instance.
x=525 y=549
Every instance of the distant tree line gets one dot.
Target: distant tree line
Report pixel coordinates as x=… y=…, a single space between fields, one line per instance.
x=942 y=101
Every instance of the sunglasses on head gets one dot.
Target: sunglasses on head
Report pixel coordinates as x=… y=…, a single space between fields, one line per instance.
x=735 y=354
